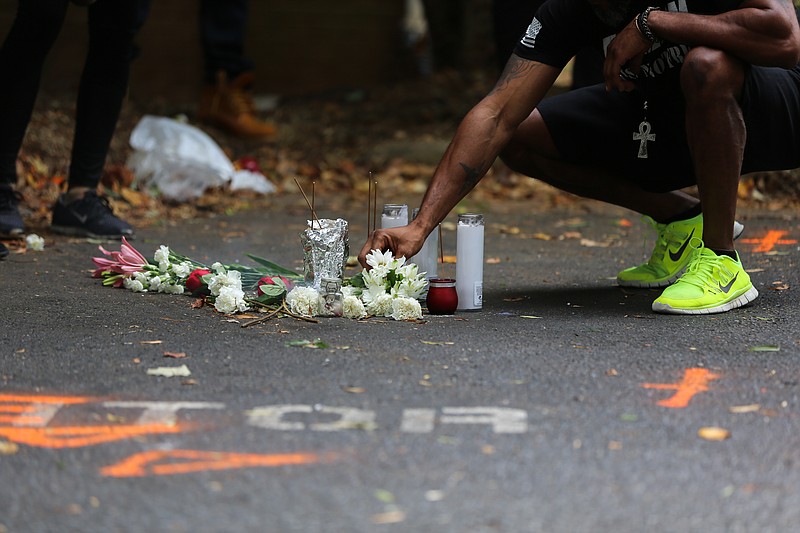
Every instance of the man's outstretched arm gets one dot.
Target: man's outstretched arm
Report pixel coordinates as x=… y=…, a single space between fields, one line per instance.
x=480 y=137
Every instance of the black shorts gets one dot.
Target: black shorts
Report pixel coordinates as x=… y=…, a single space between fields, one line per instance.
x=594 y=127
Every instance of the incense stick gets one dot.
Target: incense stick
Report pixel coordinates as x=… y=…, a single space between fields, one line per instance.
x=313 y=183
x=369 y=205
x=441 y=248
x=375 y=207
x=313 y=213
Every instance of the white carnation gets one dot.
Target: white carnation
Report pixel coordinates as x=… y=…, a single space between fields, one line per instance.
x=172 y=288
x=406 y=309
x=352 y=307
x=133 y=284
x=230 y=300
x=218 y=268
x=348 y=290
x=162 y=258
x=154 y=283
x=303 y=301
x=182 y=270
x=34 y=242
x=224 y=279
x=380 y=305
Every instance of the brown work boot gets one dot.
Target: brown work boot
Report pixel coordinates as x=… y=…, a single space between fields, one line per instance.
x=229 y=106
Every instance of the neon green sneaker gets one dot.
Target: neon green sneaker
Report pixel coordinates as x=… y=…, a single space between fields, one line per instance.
x=670 y=254
x=711 y=284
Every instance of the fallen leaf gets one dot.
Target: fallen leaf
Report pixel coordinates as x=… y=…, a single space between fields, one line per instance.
x=8 y=448
x=169 y=371
x=713 y=433
x=779 y=286
x=492 y=260
x=389 y=517
x=198 y=303
x=384 y=496
x=589 y=243
x=354 y=390
x=175 y=355
x=150 y=342
x=739 y=409
x=510 y=230
x=612 y=372
x=765 y=348
x=315 y=344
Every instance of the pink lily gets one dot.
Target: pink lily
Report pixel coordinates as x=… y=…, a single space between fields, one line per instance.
x=126 y=262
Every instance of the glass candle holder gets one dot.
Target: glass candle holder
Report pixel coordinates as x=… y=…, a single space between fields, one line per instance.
x=442 y=296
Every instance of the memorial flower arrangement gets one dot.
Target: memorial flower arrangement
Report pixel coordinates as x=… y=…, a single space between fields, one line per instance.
x=390 y=288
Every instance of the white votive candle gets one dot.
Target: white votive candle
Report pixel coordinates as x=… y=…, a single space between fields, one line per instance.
x=427 y=258
x=469 y=261
x=394 y=216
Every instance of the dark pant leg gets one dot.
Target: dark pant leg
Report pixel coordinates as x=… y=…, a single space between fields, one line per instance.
x=104 y=83
x=223 y=25
x=32 y=34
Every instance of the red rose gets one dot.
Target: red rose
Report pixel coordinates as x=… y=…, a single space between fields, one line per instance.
x=195 y=283
x=274 y=280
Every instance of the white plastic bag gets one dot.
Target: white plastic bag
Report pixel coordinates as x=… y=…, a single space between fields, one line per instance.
x=183 y=161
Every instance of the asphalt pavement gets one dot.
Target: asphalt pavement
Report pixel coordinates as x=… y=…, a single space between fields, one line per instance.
x=564 y=405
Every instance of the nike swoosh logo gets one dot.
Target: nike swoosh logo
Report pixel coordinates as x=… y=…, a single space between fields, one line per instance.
x=727 y=288
x=677 y=254
x=81 y=218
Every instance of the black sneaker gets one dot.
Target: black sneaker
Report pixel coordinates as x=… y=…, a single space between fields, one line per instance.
x=10 y=222
x=3 y=251
x=91 y=216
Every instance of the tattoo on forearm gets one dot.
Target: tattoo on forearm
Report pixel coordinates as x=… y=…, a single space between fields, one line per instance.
x=472 y=175
x=515 y=68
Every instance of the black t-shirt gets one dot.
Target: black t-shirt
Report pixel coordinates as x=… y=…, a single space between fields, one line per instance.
x=562 y=27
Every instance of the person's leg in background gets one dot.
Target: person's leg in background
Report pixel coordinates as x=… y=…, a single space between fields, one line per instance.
x=104 y=84
x=22 y=56
x=226 y=101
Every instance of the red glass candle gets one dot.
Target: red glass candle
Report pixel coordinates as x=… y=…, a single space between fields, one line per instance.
x=442 y=296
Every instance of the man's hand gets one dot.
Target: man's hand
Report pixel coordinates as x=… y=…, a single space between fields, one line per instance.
x=403 y=241
x=626 y=50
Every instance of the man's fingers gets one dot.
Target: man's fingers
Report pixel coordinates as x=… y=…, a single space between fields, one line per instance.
x=377 y=240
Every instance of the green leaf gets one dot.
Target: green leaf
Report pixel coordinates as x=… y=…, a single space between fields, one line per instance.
x=315 y=344
x=274 y=269
x=356 y=281
x=272 y=294
x=766 y=348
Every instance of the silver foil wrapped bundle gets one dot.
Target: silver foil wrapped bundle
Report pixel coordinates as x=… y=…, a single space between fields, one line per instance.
x=325 y=250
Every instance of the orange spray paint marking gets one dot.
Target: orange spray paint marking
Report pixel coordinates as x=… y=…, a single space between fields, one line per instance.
x=695 y=380
x=768 y=241
x=29 y=415
x=80 y=436
x=172 y=462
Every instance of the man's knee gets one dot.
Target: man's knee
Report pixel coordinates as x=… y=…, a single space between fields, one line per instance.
x=707 y=72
